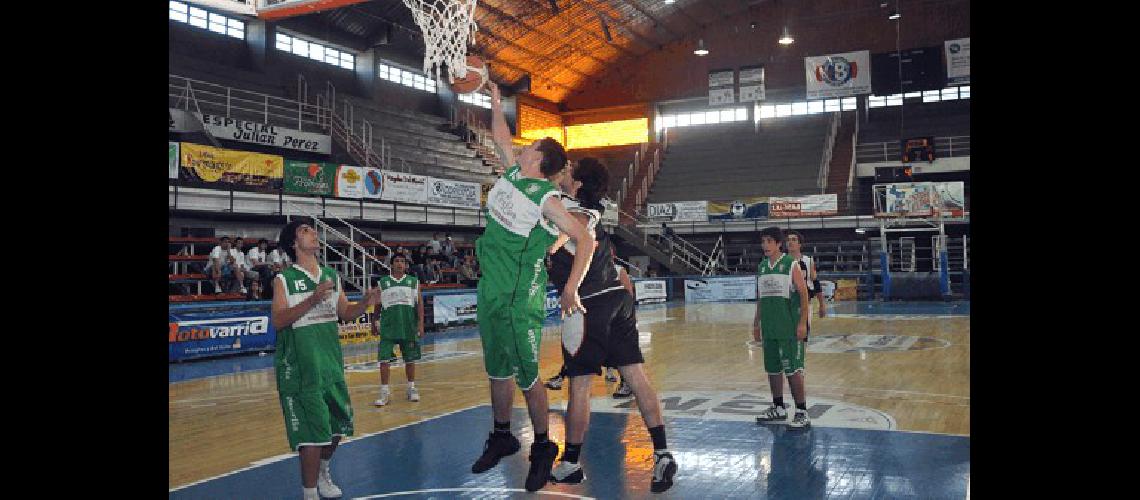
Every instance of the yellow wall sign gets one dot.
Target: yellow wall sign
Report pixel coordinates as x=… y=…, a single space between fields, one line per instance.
x=209 y=164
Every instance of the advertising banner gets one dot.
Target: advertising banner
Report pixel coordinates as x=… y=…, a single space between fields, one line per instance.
x=172 y=160
x=679 y=211
x=211 y=333
x=313 y=178
x=553 y=307
x=453 y=193
x=958 y=61
x=453 y=308
x=226 y=166
x=751 y=83
x=838 y=75
x=803 y=206
x=400 y=186
x=650 y=291
x=252 y=132
x=721 y=87
x=357 y=330
x=720 y=289
x=373 y=183
x=744 y=208
x=349 y=182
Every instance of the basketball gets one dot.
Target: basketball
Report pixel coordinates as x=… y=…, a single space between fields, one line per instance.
x=476 y=76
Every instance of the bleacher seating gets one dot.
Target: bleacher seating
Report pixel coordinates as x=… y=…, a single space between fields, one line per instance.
x=733 y=160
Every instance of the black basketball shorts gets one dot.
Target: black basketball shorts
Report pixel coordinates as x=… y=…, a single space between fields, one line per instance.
x=605 y=336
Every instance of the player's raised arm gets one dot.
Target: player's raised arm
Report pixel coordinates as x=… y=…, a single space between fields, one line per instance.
x=500 y=133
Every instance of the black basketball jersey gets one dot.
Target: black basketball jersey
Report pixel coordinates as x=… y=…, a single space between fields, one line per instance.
x=601 y=273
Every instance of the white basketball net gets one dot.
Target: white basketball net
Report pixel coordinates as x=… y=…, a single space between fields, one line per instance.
x=447 y=26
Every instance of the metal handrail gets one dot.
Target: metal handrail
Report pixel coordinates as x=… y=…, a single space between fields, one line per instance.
x=272 y=109
x=828 y=145
x=353 y=245
x=889 y=151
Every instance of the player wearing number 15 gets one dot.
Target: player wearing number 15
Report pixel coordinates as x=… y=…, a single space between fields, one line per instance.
x=307 y=302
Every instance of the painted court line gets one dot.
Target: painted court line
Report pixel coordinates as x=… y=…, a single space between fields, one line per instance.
x=285 y=456
x=473 y=490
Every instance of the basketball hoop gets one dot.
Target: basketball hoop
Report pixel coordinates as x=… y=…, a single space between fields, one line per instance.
x=448 y=27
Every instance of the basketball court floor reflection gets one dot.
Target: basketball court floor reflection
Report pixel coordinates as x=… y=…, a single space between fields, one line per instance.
x=888 y=392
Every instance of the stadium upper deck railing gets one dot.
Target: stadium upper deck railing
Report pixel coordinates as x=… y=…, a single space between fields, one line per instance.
x=891 y=151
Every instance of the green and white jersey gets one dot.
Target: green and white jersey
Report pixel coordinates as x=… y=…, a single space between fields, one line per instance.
x=779 y=299
x=398 y=298
x=308 y=355
x=513 y=247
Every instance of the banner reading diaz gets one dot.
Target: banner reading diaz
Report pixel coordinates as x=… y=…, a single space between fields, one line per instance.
x=212 y=165
x=313 y=178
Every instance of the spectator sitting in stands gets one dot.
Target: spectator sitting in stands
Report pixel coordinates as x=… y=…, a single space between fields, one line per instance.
x=433 y=272
x=420 y=262
x=243 y=262
x=467 y=273
x=449 y=253
x=258 y=258
x=224 y=263
x=278 y=260
x=435 y=247
x=255 y=290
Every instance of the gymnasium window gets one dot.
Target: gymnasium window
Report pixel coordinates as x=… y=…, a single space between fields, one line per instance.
x=204 y=19
x=946 y=94
x=314 y=51
x=411 y=79
x=481 y=100
x=712 y=116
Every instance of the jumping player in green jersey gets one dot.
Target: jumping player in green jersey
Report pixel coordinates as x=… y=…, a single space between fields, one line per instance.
x=308 y=360
x=400 y=323
x=524 y=217
x=782 y=312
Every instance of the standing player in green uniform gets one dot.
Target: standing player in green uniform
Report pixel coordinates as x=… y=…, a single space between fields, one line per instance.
x=782 y=312
x=401 y=323
x=308 y=361
x=512 y=292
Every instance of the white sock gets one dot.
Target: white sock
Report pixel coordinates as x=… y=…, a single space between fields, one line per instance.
x=310 y=493
x=325 y=464
x=411 y=384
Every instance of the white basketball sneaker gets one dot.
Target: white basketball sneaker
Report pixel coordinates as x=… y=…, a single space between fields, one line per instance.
x=384 y=393
x=325 y=485
x=800 y=420
x=773 y=414
x=413 y=394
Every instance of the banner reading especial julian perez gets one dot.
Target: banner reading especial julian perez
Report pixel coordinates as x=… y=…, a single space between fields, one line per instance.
x=453 y=193
x=260 y=133
x=838 y=75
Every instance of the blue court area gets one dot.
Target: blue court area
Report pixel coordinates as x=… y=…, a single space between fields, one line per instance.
x=718 y=459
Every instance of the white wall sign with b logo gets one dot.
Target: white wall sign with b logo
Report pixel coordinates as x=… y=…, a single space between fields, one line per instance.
x=838 y=75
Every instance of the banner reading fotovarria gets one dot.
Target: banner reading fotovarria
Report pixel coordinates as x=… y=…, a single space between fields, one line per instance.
x=226 y=166
x=400 y=186
x=958 y=61
x=803 y=206
x=838 y=75
x=453 y=193
x=349 y=182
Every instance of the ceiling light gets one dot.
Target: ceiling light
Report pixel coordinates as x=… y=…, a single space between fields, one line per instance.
x=894 y=15
x=668 y=2
x=787 y=38
x=860 y=230
x=701 y=50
